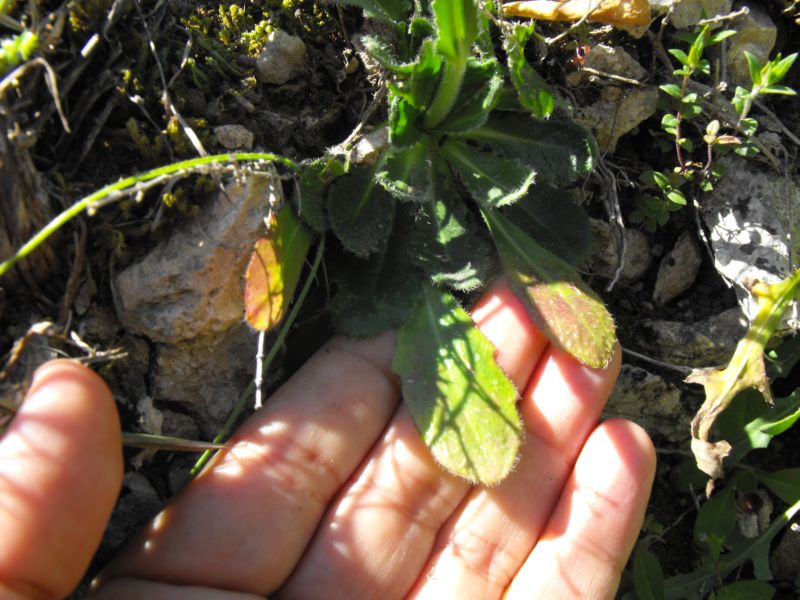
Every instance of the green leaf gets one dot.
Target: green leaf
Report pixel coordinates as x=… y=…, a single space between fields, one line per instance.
x=491 y=180
x=446 y=241
x=418 y=84
x=312 y=191
x=360 y=212
x=457 y=23
x=558 y=151
x=387 y=10
x=405 y=172
x=680 y=55
x=779 y=67
x=476 y=98
x=274 y=269
x=378 y=293
x=778 y=89
x=648 y=578
x=556 y=222
x=785 y=484
x=718 y=36
x=746 y=590
x=717 y=518
x=461 y=401
x=781 y=360
x=404 y=119
x=533 y=91
x=754 y=66
x=671 y=89
x=561 y=305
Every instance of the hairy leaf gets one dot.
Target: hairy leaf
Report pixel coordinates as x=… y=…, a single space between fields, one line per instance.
x=564 y=308
x=461 y=401
x=418 y=82
x=533 y=91
x=360 y=211
x=312 y=191
x=405 y=172
x=447 y=242
x=746 y=369
x=492 y=180
x=457 y=23
x=556 y=222
x=476 y=99
x=274 y=269
x=559 y=151
x=387 y=10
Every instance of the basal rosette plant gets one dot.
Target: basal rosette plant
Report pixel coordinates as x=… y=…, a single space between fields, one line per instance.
x=466 y=189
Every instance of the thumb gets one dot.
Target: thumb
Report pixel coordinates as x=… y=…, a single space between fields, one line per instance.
x=60 y=473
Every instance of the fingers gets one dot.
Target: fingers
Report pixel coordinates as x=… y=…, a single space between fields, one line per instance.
x=481 y=548
x=60 y=473
x=376 y=537
x=589 y=537
x=243 y=524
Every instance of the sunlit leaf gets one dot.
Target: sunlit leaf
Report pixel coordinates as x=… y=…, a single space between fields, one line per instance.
x=457 y=23
x=274 y=269
x=461 y=401
x=533 y=91
x=476 y=98
x=745 y=370
x=360 y=212
x=492 y=180
x=561 y=305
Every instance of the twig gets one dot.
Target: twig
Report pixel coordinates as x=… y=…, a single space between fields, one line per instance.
x=682 y=369
x=75 y=273
x=619 y=78
x=722 y=18
x=576 y=24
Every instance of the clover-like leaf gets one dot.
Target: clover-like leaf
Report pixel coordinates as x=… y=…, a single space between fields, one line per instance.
x=462 y=403
x=564 y=308
x=559 y=151
x=360 y=211
x=274 y=269
x=745 y=370
x=492 y=180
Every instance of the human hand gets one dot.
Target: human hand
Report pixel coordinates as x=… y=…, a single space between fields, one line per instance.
x=329 y=491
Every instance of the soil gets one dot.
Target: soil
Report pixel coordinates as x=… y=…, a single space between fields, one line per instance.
x=119 y=125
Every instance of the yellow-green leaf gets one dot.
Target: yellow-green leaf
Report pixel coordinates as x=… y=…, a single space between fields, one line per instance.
x=274 y=269
x=462 y=403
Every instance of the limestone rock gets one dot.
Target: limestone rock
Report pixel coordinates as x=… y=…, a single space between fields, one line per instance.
x=192 y=284
x=234 y=137
x=613 y=60
x=756 y=34
x=678 y=269
x=704 y=343
x=752 y=216
x=688 y=12
x=785 y=559
x=369 y=147
x=650 y=401
x=283 y=58
x=603 y=260
x=617 y=112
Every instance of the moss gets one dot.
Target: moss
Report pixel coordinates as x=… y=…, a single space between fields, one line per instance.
x=86 y=15
x=149 y=148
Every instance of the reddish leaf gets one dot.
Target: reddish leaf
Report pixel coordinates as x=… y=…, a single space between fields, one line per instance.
x=274 y=269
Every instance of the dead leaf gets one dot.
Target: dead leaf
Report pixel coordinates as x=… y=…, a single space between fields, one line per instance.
x=745 y=370
x=610 y=12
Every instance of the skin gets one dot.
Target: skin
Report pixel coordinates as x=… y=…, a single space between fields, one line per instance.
x=328 y=491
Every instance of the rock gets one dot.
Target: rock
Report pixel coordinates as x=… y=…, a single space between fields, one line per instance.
x=785 y=559
x=234 y=137
x=704 y=343
x=179 y=425
x=678 y=269
x=283 y=58
x=192 y=284
x=187 y=296
x=151 y=419
x=617 y=112
x=754 y=522
x=751 y=216
x=369 y=147
x=611 y=60
x=688 y=12
x=603 y=260
x=756 y=34
x=648 y=400
x=138 y=503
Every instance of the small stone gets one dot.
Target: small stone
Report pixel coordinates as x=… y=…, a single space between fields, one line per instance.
x=283 y=58
x=617 y=112
x=753 y=523
x=369 y=147
x=756 y=33
x=647 y=399
x=604 y=257
x=179 y=425
x=703 y=343
x=610 y=60
x=688 y=12
x=234 y=137
x=785 y=559
x=150 y=418
x=678 y=269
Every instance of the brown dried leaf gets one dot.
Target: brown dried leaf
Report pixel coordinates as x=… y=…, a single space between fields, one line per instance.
x=610 y=12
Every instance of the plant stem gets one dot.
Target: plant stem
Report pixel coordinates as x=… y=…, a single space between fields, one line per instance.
x=273 y=351
x=446 y=94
